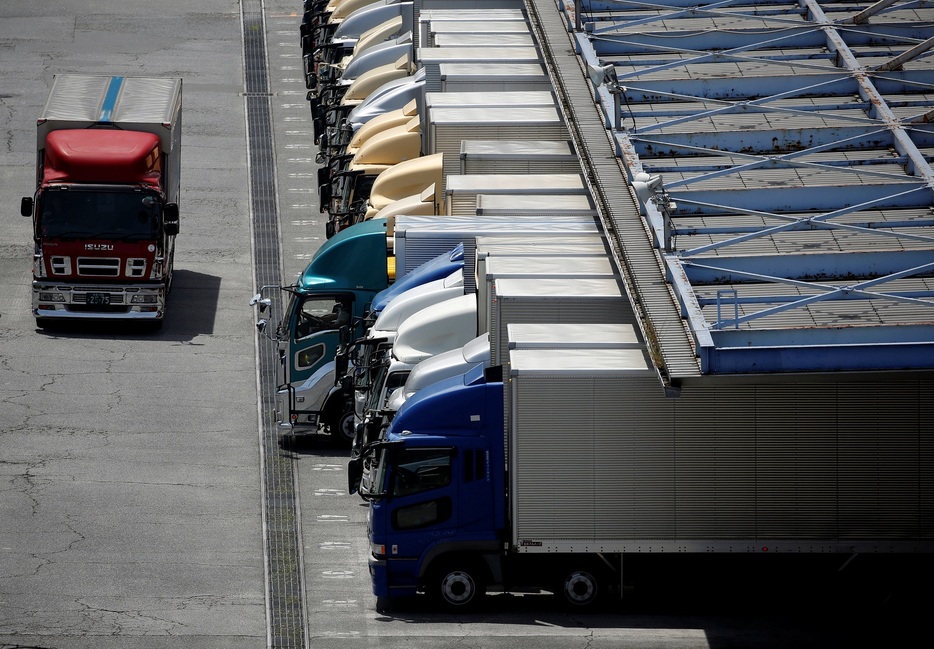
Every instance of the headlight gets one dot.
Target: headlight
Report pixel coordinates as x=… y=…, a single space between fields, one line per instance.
x=144 y=299
x=378 y=550
x=51 y=297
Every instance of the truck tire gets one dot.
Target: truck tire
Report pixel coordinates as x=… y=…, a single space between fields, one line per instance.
x=580 y=587
x=341 y=427
x=457 y=585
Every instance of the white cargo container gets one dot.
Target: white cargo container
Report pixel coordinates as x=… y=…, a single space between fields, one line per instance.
x=523 y=204
x=552 y=300
x=491 y=77
x=518 y=157
x=416 y=239
x=461 y=191
x=578 y=263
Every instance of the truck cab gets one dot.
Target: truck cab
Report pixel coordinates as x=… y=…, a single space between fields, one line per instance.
x=434 y=478
x=326 y=307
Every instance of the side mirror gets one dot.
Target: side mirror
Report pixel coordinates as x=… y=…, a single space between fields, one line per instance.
x=261 y=301
x=354 y=474
x=25 y=206
x=170 y=216
x=261 y=325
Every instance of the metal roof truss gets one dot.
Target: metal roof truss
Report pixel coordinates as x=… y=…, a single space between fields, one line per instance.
x=781 y=153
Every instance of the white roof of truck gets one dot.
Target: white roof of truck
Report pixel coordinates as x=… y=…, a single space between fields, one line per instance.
x=551 y=335
x=75 y=97
x=559 y=289
x=516 y=183
x=586 y=264
x=582 y=362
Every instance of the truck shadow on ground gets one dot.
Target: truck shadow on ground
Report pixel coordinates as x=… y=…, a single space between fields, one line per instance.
x=321 y=444
x=731 y=601
x=191 y=311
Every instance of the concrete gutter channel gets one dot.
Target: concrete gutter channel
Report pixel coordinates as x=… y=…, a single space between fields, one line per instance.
x=284 y=563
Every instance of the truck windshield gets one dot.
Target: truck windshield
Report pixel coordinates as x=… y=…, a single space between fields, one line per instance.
x=98 y=214
x=321 y=314
x=399 y=471
x=367 y=363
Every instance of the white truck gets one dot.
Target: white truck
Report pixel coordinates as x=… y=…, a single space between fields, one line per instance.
x=416 y=239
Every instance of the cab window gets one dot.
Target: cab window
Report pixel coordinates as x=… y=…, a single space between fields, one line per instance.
x=321 y=314
x=419 y=470
x=309 y=356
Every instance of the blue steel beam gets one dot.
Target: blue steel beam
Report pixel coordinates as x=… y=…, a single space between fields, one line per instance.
x=608 y=44
x=867 y=108
x=822 y=84
x=825 y=336
x=806 y=269
x=880 y=226
x=823 y=198
x=919 y=165
x=893 y=356
x=765 y=142
x=593 y=6
x=728 y=9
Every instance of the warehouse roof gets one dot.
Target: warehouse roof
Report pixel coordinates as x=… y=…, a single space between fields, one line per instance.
x=779 y=154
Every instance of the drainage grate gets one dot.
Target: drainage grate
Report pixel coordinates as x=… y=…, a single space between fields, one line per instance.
x=285 y=592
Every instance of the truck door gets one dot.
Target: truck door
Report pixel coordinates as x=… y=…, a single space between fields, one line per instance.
x=313 y=334
x=421 y=508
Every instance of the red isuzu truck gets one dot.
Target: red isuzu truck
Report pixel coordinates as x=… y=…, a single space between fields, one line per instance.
x=105 y=210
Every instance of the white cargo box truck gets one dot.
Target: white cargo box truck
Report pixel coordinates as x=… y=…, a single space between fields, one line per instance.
x=734 y=465
x=492 y=77
x=461 y=190
x=494 y=22
x=576 y=262
x=518 y=157
x=552 y=300
x=504 y=204
x=417 y=239
x=432 y=59
x=444 y=127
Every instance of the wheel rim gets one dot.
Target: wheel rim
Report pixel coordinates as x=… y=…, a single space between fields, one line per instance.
x=458 y=588
x=580 y=588
x=345 y=427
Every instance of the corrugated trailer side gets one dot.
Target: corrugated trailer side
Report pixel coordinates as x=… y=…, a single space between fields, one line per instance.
x=552 y=299
x=825 y=464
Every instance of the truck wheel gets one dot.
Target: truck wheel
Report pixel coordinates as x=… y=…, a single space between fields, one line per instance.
x=457 y=586
x=580 y=587
x=342 y=429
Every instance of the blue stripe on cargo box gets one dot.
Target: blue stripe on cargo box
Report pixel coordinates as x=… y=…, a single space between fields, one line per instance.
x=110 y=99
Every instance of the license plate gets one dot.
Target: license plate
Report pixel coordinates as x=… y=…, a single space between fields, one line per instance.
x=98 y=298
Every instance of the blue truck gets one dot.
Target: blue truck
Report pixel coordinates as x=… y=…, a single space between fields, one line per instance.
x=545 y=481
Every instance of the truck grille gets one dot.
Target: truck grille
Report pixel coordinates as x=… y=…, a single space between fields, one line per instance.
x=135 y=267
x=99 y=266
